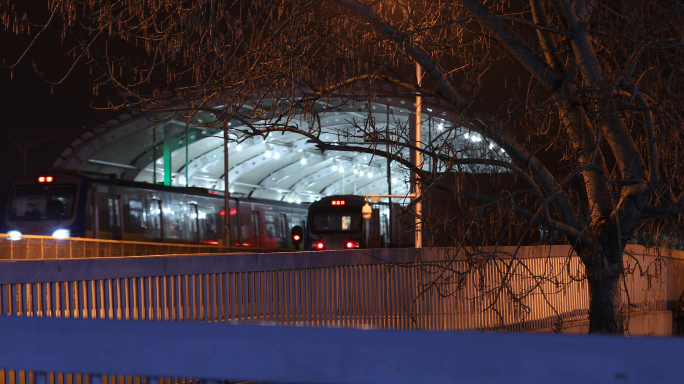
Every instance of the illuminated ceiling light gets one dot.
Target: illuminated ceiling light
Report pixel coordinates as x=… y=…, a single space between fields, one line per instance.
x=365 y=158
x=334 y=167
x=491 y=145
x=440 y=126
x=394 y=180
x=276 y=155
x=238 y=147
x=466 y=135
x=341 y=169
x=361 y=173
x=268 y=153
x=303 y=160
x=231 y=190
x=370 y=175
x=289 y=200
x=475 y=139
x=356 y=171
x=299 y=201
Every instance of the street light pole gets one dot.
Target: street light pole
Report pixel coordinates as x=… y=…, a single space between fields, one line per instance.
x=226 y=216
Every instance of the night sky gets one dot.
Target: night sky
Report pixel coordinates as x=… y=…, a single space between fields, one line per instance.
x=33 y=112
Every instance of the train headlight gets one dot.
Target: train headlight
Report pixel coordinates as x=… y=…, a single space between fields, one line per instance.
x=61 y=234
x=14 y=235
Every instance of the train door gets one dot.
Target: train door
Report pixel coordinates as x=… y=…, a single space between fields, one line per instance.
x=256 y=233
x=115 y=211
x=193 y=227
x=155 y=219
x=283 y=233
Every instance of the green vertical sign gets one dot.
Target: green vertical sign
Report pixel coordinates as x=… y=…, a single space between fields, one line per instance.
x=167 y=155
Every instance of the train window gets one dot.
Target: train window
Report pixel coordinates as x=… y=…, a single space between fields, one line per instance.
x=54 y=202
x=207 y=216
x=256 y=234
x=270 y=225
x=154 y=217
x=114 y=207
x=136 y=213
x=173 y=218
x=327 y=221
x=282 y=220
x=193 y=214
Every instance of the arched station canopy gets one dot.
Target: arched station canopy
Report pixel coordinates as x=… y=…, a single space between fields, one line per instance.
x=282 y=166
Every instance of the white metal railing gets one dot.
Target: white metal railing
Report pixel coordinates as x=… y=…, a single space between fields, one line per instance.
x=395 y=289
x=31 y=247
x=376 y=288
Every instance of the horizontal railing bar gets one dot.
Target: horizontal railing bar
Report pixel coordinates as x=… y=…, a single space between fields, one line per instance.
x=28 y=271
x=329 y=355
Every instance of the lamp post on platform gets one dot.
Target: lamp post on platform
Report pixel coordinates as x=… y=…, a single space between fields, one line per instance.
x=226 y=216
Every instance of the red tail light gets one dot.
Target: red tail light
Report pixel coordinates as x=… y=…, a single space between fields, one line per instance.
x=45 y=179
x=296 y=237
x=319 y=245
x=352 y=244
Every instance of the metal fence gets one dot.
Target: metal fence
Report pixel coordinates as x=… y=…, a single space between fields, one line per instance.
x=31 y=247
x=429 y=289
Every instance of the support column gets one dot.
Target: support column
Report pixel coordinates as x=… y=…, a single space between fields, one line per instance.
x=168 y=132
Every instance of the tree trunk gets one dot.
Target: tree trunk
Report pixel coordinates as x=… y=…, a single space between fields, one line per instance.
x=605 y=296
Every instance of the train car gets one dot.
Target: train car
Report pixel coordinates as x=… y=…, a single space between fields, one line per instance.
x=337 y=222
x=63 y=203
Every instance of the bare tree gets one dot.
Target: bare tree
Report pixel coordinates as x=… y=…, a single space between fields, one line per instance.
x=581 y=99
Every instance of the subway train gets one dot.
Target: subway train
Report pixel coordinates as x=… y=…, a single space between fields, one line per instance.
x=338 y=222
x=63 y=204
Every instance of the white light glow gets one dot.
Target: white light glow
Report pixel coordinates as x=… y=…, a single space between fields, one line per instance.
x=334 y=167
x=303 y=161
x=238 y=147
x=14 y=235
x=268 y=153
x=440 y=126
x=394 y=180
x=361 y=173
x=341 y=169
x=276 y=155
x=61 y=234
x=475 y=139
x=299 y=201
x=370 y=175
x=289 y=200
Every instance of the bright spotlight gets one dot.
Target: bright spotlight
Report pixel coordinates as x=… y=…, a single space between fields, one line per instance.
x=61 y=234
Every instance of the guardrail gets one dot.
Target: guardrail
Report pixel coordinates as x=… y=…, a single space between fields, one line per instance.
x=31 y=247
x=427 y=289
